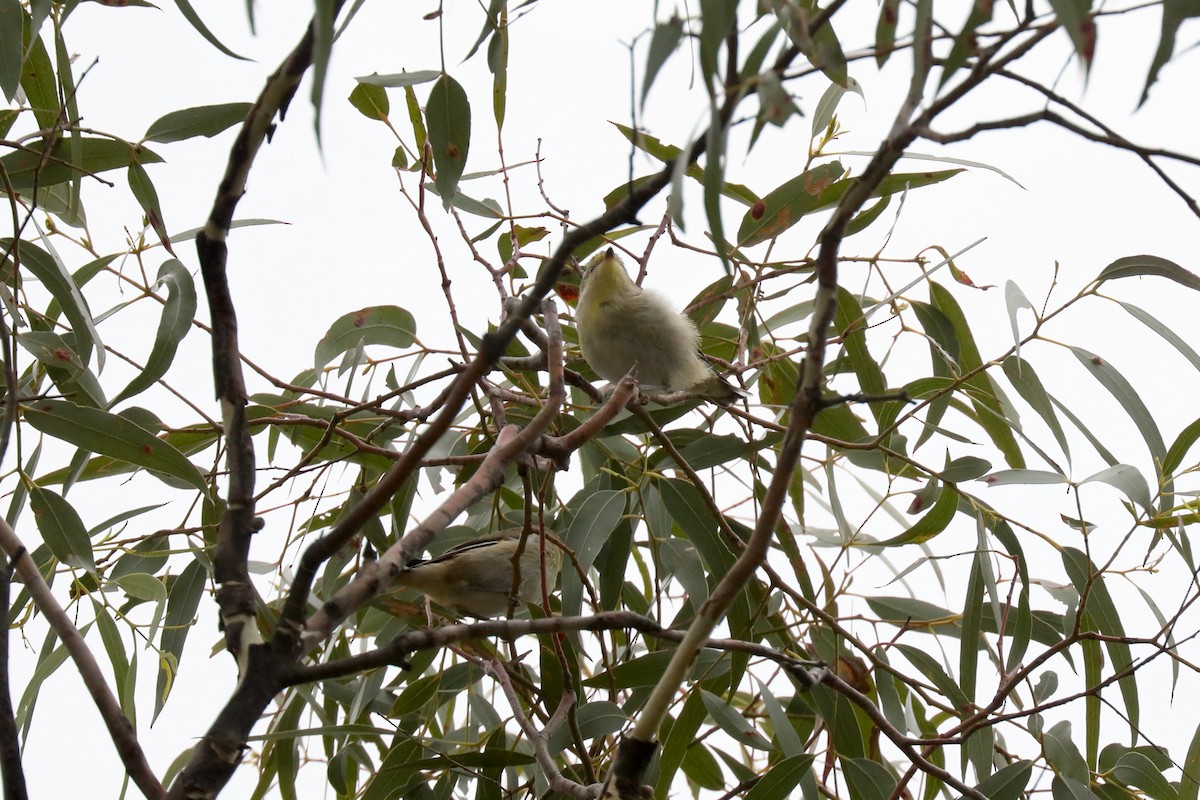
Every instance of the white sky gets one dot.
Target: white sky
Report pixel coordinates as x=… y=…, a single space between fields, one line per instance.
x=351 y=240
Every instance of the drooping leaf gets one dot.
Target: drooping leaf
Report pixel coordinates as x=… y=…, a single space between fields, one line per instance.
x=63 y=288
x=449 y=116
x=12 y=21
x=174 y=324
x=147 y=196
x=185 y=594
x=1174 y=13
x=1124 y=393
x=193 y=18
x=39 y=83
x=1075 y=17
x=663 y=42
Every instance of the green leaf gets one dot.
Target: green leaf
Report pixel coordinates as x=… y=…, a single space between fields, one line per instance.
x=730 y=721
x=449 y=116
x=146 y=195
x=63 y=288
x=1180 y=447
x=1127 y=480
x=1021 y=375
x=885 y=30
x=1174 y=13
x=967 y=468
x=678 y=740
x=783 y=207
x=668 y=153
x=64 y=366
x=867 y=779
x=1138 y=266
x=781 y=779
x=1075 y=16
x=1063 y=754
x=177 y=316
x=1023 y=477
x=1152 y=322
x=815 y=190
x=387 y=325
x=70 y=159
x=1127 y=396
x=933 y=523
x=142 y=586
x=61 y=528
x=823 y=50
x=192 y=17
x=719 y=17
x=39 y=84
x=663 y=43
x=12 y=21
x=1008 y=782
x=1135 y=769
x=110 y=435
x=984 y=398
x=1103 y=611
x=370 y=100
x=400 y=78
x=185 y=594
x=1189 y=781
x=206 y=121
x=594 y=521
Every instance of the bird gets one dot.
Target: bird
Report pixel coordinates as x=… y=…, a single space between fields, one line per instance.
x=476 y=578
x=620 y=324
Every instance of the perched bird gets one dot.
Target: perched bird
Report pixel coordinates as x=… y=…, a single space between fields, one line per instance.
x=476 y=578
x=619 y=324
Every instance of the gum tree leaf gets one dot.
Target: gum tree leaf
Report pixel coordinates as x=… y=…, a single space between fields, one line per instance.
x=64 y=289
x=146 y=195
x=175 y=322
x=1128 y=481
x=370 y=100
x=400 y=78
x=94 y=155
x=193 y=18
x=206 y=121
x=61 y=527
x=449 y=115
x=1025 y=477
x=663 y=43
x=668 y=153
x=933 y=523
x=182 y=602
x=111 y=435
x=12 y=21
x=387 y=325
x=1174 y=13
x=1138 y=266
x=1124 y=393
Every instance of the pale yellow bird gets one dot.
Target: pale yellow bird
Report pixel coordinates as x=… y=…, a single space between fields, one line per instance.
x=620 y=324
x=476 y=578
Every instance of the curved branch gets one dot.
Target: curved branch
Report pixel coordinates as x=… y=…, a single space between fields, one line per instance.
x=119 y=726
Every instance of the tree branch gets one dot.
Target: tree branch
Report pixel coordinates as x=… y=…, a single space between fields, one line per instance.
x=119 y=726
